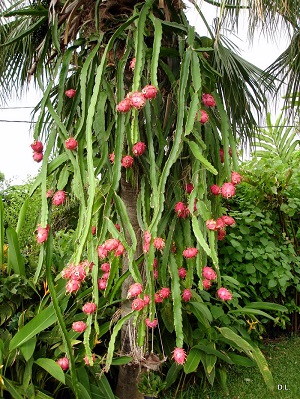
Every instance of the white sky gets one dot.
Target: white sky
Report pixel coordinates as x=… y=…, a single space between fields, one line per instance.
x=15 y=138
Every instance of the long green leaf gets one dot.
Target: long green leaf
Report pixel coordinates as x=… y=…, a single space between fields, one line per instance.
x=15 y=258
x=177 y=307
x=197 y=154
x=52 y=368
x=1 y=231
x=192 y=361
x=22 y=215
x=39 y=323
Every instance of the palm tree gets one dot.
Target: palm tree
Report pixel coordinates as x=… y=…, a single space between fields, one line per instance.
x=89 y=46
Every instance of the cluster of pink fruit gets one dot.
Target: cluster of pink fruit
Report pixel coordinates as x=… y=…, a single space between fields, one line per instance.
x=80 y=327
x=102 y=282
x=76 y=274
x=37 y=147
x=227 y=190
x=158 y=242
x=220 y=224
x=127 y=161
x=137 y=99
x=111 y=245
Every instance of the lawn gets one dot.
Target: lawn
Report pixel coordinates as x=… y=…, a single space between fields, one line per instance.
x=283 y=356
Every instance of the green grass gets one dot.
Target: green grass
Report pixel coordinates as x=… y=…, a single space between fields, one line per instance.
x=283 y=357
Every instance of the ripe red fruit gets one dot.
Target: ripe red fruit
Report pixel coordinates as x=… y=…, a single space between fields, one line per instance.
x=179 y=355
x=94 y=230
x=146 y=299
x=220 y=224
x=182 y=272
x=209 y=273
x=221 y=234
x=118 y=227
x=186 y=295
x=158 y=298
x=179 y=208
x=149 y=92
x=222 y=155
x=236 y=178
x=139 y=149
x=134 y=290
x=63 y=362
x=102 y=253
x=224 y=294
x=127 y=161
x=70 y=93
x=71 y=143
x=89 y=308
x=120 y=250
x=206 y=284
x=42 y=233
x=190 y=252
x=208 y=100
x=112 y=157
x=124 y=105
x=228 y=190
x=159 y=243
x=49 y=194
x=137 y=304
x=37 y=146
x=87 y=360
x=132 y=64
x=203 y=117
x=151 y=324
x=105 y=267
x=59 y=197
x=111 y=244
x=79 y=326
x=137 y=100
x=164 y=292
x=102 y=284
x=211 y=224
x=215 y=189
x=37 y=156
x=228 y=220
x=189 y=188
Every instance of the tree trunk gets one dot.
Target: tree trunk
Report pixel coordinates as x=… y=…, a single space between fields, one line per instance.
x=127 y=379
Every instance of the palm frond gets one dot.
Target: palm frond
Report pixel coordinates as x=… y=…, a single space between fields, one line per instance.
x=240 y=86
x=286 y=72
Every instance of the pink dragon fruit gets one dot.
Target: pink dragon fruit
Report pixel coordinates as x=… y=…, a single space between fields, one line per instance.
x=124 y=105
x=206 y=284
x=179 y=355
x=236 y=178
x=79 y=326
x=190 y=253
x=42 y=233
x=102 y=284
x=189 y=188
x=211 y=224
x=70 y=93
x=134 y=290
x=132 y=64
x=159 y=243
x=158 y=298
x=37 y=156
x=149 y=92
x=105 y=276
x=215 y=189
x=71 y=143
x=137 y=100
x=102 y=253
x=118 y=227
x=208 y=100
x=203 y=117
x=186 y=295
x=78 y=273
x=209 y=273
x=224 y=294
x=111 y=244
x=164 y=292
x=89 y=308
x=146 y=299
x=151 y=324
x=139 y=149
x=72 y=286
x=228 y=190
x=228 y=220
x=37 y=146
x=221 y=234
x=220 y=224
x=137 y=304
x=59 y=197
x=63 y=362
x=127 y=161
x=87 y=360
x=182 y=272
x=49 y=193
x=105 y=267
x=112 y=157
x=120 y=250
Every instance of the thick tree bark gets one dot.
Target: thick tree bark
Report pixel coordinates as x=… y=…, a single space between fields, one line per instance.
x=127 y=379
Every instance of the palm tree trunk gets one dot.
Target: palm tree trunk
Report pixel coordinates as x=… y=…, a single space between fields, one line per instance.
x=127 y=379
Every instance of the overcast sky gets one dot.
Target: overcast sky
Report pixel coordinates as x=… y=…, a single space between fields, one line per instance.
x=15 y=137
